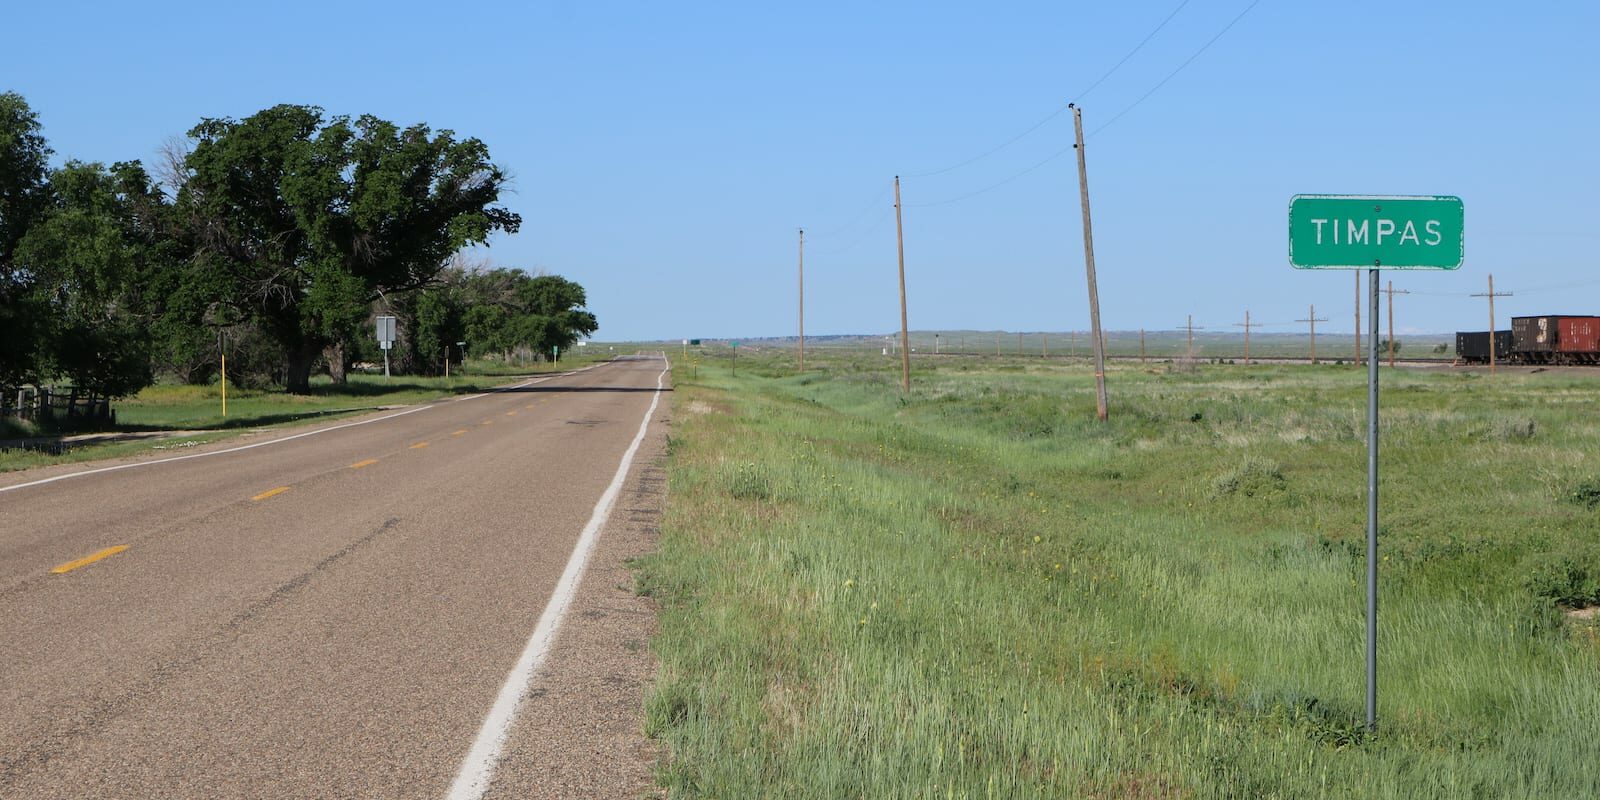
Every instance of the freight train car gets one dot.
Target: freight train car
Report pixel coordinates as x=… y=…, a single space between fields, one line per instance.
x=1472 y=347
x=1555 y=339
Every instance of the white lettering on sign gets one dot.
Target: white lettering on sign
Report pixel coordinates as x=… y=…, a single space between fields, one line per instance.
x=1355 y=233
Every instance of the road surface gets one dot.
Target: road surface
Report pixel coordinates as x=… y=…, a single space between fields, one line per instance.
x=339 y=614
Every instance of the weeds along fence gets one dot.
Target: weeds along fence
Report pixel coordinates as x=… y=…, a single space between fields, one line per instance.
x=57 y=406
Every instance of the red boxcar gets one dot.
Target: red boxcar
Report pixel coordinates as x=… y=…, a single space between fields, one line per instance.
x=1578 y=338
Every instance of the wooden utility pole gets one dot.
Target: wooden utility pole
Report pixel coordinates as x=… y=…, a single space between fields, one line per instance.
x=1247 y=325
x=1191 y=327
x=1312 y=318
x=803 y=298
x=1391 y=291
x=1141 y=345
x=1358 y=317
x=1492 y=294
x=1099 y=341
x=905 y=333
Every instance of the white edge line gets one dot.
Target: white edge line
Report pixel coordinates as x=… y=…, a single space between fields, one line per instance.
x=171 y=459
x=477 y=770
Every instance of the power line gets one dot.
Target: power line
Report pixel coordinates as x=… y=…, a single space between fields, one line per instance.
x=1180 y=68
x=871 y=228
x=1053 y=156
x=1103 y=126
x=1056 y=113
x=1078 y=98
x=838 y=231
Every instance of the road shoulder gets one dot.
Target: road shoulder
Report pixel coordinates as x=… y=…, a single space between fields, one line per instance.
x=580 y=732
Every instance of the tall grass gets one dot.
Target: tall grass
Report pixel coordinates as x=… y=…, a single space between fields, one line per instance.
x=979 y=591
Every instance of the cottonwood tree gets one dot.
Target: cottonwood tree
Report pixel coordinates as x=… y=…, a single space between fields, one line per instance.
x=311 y=219
x=24 y=197
x=508 y=309
x=99 y=259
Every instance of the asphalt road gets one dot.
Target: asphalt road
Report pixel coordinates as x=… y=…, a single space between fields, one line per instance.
x=330 y=616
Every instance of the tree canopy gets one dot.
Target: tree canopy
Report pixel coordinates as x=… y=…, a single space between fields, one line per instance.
x=24 y=196
x=286 y=230
x=313 y=219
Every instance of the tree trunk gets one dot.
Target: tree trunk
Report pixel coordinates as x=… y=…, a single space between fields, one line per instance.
x=298 y=378
x=338 y=363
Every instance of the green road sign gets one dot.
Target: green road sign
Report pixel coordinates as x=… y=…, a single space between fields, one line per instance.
x=1368 y=232
x=735 y=344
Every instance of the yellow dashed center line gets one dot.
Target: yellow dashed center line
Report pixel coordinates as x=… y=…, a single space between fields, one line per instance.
x=511 y=413
x=419 y=445
x=271 y=492
x=530 y=405
x=458 y=433
x=488 y=422
x=89 y=559
x=359 y=464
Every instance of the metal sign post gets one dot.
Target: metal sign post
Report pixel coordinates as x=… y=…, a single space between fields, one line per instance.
x=385 y=332
x=1369 y=232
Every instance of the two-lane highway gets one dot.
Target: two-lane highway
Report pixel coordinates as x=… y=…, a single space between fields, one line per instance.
x=327 y=615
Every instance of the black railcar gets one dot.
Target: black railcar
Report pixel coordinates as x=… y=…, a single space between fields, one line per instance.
x=1472 y=347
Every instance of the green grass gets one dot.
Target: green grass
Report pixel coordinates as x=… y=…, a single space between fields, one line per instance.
x=177 y=407
x=979 y=591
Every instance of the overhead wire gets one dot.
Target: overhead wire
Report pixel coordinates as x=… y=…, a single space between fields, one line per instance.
x=1056 y=113
x=835 y=231
x=1053 y=156
x=1181 y=67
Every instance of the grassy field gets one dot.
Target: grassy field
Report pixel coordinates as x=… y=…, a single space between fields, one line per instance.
x=1158 y=345
x=185 y=408
x=978 y=591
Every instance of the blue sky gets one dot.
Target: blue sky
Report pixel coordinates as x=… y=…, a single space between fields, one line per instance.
x=664 y=154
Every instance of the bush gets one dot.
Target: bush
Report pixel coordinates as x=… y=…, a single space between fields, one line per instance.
x=1586 y=493
x=1570 y=578
x=1253 y=477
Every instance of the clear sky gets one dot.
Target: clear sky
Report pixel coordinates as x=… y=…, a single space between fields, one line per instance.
x=665 y=153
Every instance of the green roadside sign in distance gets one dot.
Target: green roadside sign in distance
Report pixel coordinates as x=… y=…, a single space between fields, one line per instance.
x=734 y=344
x=1375 y=232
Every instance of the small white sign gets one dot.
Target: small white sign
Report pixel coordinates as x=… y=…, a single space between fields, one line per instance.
x=385 y=325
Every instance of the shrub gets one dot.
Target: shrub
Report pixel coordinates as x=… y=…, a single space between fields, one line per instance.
x=1570 y=578
x=1253 y=477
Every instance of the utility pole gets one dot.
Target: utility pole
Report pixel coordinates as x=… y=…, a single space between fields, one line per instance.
x=905 y=335
x=1391 y=291
x=1141 y=345
x=1247 y=325
x=1191 y=327
x=1019 y=343
x=1044 y=345
x=803 y=299
x=1088 y=263
x=936 y=344
x=1358 y=318
x=997 y=343
x=1312 y=318
x=1492 y=294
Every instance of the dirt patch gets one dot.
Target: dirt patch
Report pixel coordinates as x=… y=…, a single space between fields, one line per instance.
x=1590 y=614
